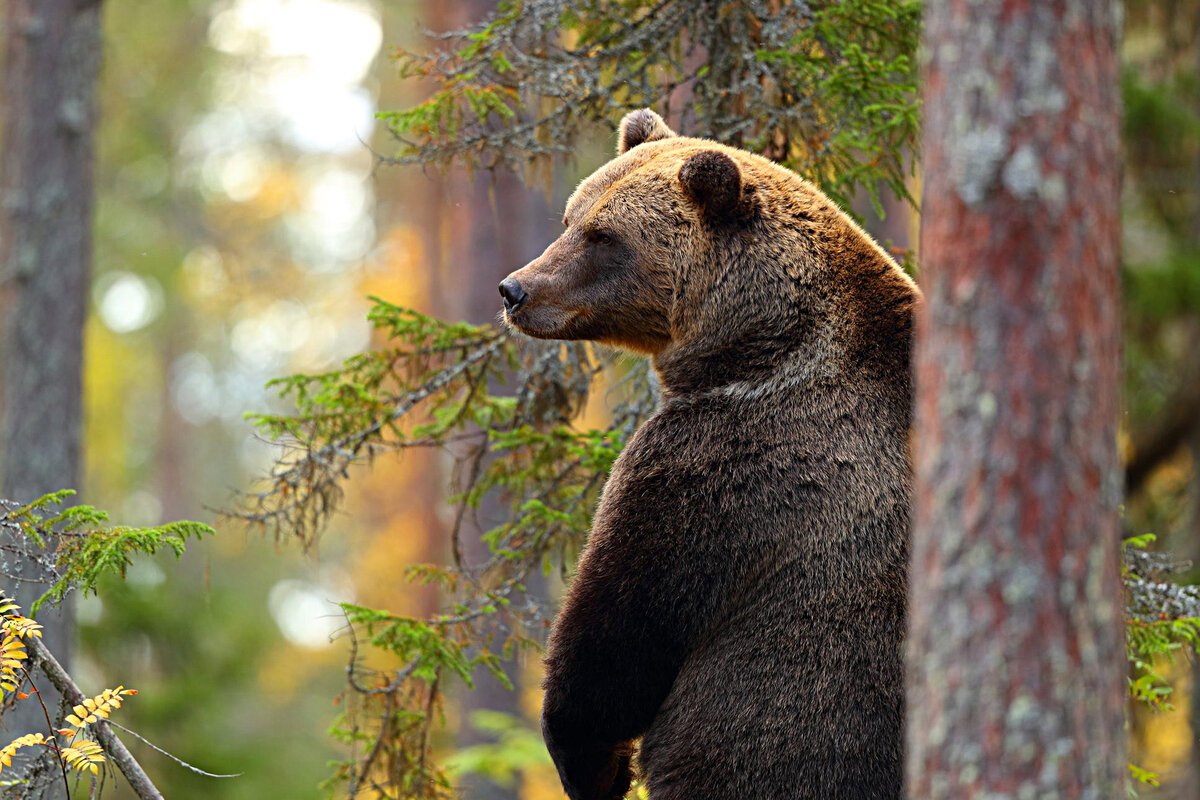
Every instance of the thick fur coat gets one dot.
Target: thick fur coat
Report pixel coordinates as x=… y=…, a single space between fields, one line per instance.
x=739 y=608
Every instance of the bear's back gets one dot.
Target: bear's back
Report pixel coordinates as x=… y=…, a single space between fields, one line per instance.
x=803 y=492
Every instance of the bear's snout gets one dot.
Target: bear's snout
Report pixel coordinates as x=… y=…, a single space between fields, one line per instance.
x=513 y=294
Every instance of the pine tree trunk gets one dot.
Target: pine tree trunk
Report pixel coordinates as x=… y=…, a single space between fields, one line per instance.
x=51 y=65
x=1016 y=668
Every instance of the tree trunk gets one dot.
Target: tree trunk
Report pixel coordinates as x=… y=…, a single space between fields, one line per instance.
x=1016 y=669
x=52 y=61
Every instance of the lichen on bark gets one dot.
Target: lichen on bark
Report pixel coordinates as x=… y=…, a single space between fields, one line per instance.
x=1016 y=670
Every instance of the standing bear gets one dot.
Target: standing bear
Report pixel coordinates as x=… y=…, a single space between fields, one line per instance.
x=740 y=606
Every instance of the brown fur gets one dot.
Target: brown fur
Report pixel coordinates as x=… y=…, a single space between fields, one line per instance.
x=739 y=608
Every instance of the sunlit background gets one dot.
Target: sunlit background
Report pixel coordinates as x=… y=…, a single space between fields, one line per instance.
x=237 y=240
x=242 y=222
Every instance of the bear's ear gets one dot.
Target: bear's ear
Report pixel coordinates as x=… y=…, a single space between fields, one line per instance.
x=639 y=127
x=714 y=182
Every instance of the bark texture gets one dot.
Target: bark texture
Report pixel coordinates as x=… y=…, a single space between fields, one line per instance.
x=51 y=66
x=1016 y=668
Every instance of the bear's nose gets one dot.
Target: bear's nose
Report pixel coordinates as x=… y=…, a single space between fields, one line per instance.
x=513 y=294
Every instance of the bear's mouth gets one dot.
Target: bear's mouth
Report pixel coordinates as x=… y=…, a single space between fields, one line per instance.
x=506 y=319
x=543 y=322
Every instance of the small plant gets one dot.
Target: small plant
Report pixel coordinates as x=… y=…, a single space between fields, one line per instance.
x=73 y=750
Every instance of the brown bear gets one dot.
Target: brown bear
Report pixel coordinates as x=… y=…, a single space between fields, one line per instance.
x=739 y=608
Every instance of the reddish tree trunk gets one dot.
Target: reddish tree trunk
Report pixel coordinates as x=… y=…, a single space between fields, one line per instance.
x=51 y=65
x=1016 y=669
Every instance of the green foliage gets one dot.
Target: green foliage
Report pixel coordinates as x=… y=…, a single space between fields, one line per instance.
x=1162 y=131
x=1161 y=209
x=436 y=378
x=77 y=550
x=355 y=412
x=827 y=88
x=1162 y=618
x=1142 y=776
x=832 y=83
x=425 y=647
x=871 y=111
x=517 y=747
x=87 y=549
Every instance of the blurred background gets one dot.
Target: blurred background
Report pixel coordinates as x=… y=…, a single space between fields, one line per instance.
x=242 y=220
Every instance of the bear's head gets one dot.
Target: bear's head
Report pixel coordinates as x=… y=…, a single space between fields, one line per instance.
x=709 y=258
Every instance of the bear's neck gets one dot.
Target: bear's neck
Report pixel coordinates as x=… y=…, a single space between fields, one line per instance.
x=861 y=335
x=751 y=361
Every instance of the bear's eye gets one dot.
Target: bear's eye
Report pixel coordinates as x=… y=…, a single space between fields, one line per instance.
x=600 y=237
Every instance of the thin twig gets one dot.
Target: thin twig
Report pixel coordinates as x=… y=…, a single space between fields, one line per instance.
x=369 y=763
x=171 y=756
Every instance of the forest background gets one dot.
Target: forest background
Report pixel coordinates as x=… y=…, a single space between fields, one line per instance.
x=243 y=221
